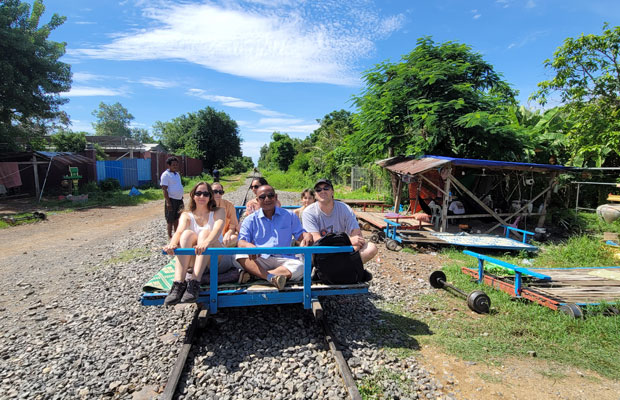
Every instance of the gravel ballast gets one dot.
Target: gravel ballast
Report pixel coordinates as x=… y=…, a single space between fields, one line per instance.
x=89 y=337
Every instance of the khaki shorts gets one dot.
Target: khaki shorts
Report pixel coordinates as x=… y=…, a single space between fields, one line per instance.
x=294 y=265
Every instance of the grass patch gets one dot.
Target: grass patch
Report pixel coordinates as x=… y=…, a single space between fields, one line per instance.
x=515 y=327
x=296 y=181
x=489 y=377
x=129 y=255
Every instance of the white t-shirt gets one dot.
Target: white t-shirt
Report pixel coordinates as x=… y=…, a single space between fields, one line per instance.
x=173 y=181
x=342 y=219
x=457 y=208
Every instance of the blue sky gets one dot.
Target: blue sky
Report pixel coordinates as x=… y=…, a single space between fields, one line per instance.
x=283 y=64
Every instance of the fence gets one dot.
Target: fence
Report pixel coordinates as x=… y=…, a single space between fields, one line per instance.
x=129 y=172
x=365 y=177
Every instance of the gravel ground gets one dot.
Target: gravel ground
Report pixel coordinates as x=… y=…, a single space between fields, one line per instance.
x=93 y=339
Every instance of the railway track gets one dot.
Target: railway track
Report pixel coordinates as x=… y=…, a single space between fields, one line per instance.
x=200 y=323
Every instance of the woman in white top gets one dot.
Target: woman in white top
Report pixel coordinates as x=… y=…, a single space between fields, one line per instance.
x=200 y=227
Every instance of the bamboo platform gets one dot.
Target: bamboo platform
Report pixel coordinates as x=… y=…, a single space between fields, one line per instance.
x=376 y=220
x=580 y=285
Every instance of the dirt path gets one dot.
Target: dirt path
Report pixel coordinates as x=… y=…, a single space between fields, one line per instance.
x=85 y=226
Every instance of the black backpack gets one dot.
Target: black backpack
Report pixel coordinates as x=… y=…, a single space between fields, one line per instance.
x=338 y=268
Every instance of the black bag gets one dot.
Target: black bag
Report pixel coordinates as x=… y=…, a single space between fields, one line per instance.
x=338 y=268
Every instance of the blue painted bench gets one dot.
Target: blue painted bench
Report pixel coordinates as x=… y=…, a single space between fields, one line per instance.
x=305 y=293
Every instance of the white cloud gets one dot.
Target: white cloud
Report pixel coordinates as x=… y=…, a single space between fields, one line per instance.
x=157 y=83
x=234 y=102
x=86 y=77
x=282 y=42
x=81 y=126
x=530 y=37
x=83 y=91
x=530 y=4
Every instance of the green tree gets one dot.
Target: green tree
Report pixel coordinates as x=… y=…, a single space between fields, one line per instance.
x=142 y=135
x=329 y=151
x=112 y=120
x=209 y=135
x=32 y=77
x=587 y=79
x=279 y=154
x=69 y=141
x=440 y=99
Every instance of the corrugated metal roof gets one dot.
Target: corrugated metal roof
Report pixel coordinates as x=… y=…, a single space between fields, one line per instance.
x=65 y=158
x=411 y=165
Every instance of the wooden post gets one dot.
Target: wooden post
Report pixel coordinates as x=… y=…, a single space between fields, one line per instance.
x=398 y=194
x=444 y=205
x=35 y=169
x=541 y=219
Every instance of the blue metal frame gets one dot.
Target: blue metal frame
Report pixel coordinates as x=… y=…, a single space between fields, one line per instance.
x=525 y=233
x=241 y=297
x=241 y=209
x=519 y=271
x=391 y=232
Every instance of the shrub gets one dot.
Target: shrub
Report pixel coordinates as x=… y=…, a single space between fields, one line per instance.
x=110 y=185
x=90 y=187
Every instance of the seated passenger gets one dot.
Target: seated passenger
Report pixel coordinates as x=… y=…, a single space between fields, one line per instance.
x=307 y=198
x=231 y=223
x=328 y=215
x=200 y=227
x=272 y=226
x=253 y=205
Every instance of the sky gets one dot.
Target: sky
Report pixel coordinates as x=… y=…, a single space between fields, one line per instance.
x=280 y=65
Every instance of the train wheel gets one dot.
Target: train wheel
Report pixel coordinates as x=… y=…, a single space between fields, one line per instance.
x=572 y=310
x=479 y=302
x=392 y=244
x=437 y=279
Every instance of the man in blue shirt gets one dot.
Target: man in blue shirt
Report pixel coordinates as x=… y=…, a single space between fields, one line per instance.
x=272 y=226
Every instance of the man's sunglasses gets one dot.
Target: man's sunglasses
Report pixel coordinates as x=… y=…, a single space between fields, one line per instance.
x=254 y=187
x=320 y=189
x=199 y=193
x=264 y=196
x=218 y=191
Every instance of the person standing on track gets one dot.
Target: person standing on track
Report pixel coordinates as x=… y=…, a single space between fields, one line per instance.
x=272 y=226
x=172 y=187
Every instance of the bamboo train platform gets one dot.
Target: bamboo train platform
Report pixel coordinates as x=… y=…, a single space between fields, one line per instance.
x=581 y=285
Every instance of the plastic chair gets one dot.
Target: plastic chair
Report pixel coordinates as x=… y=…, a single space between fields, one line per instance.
x=515 y=224
x=436 y=216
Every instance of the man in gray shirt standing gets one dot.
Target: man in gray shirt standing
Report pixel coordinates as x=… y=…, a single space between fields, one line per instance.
x=327 y=215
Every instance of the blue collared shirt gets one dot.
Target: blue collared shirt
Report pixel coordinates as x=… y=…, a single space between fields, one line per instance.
x=278 y=231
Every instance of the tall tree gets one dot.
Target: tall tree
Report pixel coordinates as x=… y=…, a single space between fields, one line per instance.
x=32 y=77
x=207 y=134
x=142 y=135
x=69 y=141
x=587 y=78
x=112 y=120
x=441 y=99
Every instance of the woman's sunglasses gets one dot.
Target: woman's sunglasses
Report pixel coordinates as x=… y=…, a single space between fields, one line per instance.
x=254 y=187
x=218 y=191
x=319 y=190
x=205 y=194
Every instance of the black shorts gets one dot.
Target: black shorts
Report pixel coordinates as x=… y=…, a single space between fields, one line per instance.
x=173 y=214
